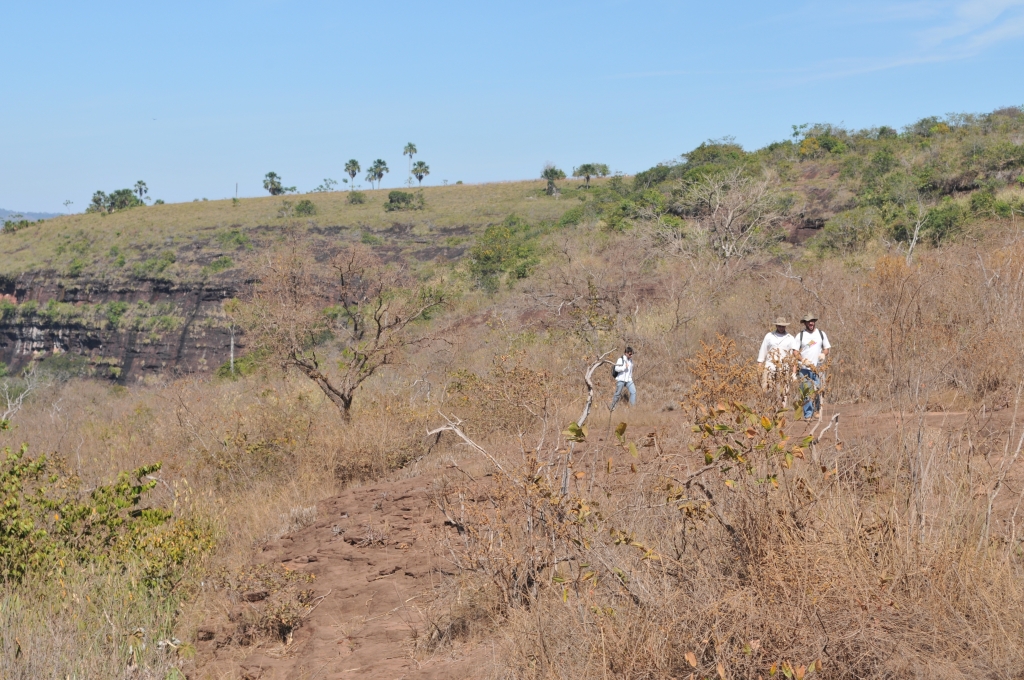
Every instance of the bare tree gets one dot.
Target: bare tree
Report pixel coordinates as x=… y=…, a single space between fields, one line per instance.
x=338 y=324
x=733 y=212
x=13 y=392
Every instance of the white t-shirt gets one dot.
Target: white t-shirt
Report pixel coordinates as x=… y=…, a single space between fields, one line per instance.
x=774 y=348
x=624 y=369
x=811 y=344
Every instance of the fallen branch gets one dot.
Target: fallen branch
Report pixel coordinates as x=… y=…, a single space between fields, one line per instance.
x=455 y=425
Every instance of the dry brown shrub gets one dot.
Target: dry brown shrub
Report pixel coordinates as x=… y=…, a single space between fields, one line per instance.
x=742 y=551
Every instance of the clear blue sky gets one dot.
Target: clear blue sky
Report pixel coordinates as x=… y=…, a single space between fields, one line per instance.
x=193 y=97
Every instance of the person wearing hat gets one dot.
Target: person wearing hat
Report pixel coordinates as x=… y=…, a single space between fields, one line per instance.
x=812 y=347
x=775 y=347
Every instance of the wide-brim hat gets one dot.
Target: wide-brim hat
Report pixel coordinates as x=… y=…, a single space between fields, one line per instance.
x=781 y=321
x=809 y=316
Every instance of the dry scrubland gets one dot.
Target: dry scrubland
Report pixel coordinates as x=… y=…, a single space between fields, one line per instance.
x=712 y=535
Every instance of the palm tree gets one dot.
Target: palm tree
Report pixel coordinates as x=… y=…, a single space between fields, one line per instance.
x=376 y=171
x=551 y=173
x=420 y=170
x=409 y=150
x=352 y=169
x=141 y=189
x=590 y=169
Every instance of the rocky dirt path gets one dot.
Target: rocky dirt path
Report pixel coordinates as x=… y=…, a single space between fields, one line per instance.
x=369 y=552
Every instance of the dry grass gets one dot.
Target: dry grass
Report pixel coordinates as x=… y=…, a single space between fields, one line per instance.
x=856 y=562
x=878 y=559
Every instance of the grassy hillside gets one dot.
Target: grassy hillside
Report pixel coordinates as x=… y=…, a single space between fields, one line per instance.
x=182 y=242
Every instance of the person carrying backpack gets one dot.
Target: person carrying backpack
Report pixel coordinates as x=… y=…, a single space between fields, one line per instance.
x=623 y=372
x=812 y=351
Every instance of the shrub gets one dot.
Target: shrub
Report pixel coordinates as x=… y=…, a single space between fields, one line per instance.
x=115 y=311
x=220 y=264
x=47 y=522
x=154 y=266
x=403 y=200
x=356 y=198
x=945 y=221
x=503 y=249
x=847 y=232
x=305 y=208
x=234 y=238
x=370 y=239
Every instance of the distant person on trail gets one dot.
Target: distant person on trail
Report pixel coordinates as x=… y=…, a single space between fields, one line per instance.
x=776 y=346
x=623 y=371
x=812 y=347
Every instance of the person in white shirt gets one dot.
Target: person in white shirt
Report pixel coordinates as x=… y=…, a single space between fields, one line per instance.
x=623 y=371
x=812 y=348
x=775 y=348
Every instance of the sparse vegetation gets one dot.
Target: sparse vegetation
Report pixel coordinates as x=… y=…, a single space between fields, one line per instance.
x=707 y=532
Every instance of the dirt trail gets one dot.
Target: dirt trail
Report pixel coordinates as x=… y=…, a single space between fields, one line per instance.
x=370 y=614
x=374 y=587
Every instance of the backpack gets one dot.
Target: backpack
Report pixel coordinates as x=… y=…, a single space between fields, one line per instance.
x=800 y=338
x=615 y=373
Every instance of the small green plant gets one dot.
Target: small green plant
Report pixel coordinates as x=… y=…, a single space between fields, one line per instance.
x=356 y=198
x=154 y=266
x=305 y=208
x=234 y=238
x=220 y=264
x=158 y=201
x=403 y=200
x=76 y=267
x=115 y=311
x=3 y=370
x=235 y=202
x=371 y=239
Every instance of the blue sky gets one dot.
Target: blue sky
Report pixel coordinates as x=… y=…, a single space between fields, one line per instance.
x=193 y=97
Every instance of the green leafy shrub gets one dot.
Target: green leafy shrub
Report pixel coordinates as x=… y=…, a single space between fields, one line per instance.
x=247 y=364
x=114 y=311
x=220 y=264
x=76 y=267
x=502 y=250
x=47 y=522
x=572 y=216
x=404 y=200
x=945 y=221
x=305 y=208
x=356 y=198
x=234 y=238
x=154 y=266
x=847 y=232
x=370 y=239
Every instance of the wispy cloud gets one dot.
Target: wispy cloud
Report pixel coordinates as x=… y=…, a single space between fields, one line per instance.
x=974 y=25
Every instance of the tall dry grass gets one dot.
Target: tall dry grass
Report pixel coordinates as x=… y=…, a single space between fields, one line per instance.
x=251 y=457
x=738 y=549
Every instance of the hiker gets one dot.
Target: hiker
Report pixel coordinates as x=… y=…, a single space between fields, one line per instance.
x=812 y=347
x=775 y=348
x=623 y=371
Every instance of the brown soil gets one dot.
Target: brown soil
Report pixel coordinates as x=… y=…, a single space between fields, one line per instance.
x=370 y=616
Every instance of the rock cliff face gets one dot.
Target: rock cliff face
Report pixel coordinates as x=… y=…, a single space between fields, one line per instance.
x=123 y=331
